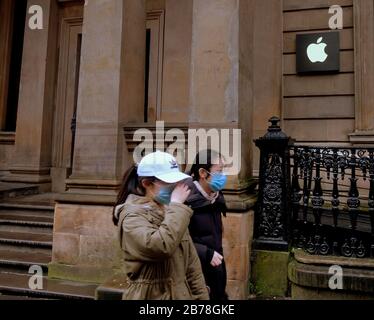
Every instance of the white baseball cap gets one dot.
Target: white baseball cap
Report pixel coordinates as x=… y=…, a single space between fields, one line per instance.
x=162 y=166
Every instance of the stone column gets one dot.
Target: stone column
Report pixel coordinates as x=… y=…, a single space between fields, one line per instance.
x=267 y=68
x=364 y=72
x=32 y=158
x=111 y=91
x=268 y=96
x=221 y=97
x=221 y=69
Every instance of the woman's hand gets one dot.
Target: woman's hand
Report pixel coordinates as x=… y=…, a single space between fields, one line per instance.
x=180 y=193
x=216 y=260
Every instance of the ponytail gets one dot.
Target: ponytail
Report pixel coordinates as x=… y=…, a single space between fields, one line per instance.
x=130 y=185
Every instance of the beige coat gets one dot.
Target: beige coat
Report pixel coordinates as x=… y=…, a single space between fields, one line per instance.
x=160 y=258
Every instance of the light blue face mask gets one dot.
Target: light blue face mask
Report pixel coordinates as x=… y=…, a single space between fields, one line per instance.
x=164 y=195
x=218 y=181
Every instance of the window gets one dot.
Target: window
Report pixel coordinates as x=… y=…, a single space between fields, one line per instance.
x=13 y=57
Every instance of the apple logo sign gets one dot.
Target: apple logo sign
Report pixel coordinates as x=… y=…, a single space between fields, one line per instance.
x=316 y=51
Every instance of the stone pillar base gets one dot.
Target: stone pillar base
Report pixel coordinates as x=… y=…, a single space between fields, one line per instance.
x=86 y=246
x=269 y=273
x=237 y=240
x=85 y=243
x=107 y=187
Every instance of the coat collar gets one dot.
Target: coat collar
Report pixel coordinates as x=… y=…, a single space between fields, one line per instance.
x=136 y=200
x=197 y=199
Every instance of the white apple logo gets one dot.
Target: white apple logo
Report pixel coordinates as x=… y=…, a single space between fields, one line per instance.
x=316 y=51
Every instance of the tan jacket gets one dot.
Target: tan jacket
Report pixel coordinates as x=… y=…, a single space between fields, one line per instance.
x=160 y=258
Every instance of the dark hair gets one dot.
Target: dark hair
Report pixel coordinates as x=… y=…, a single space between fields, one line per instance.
x=204 y=160
x=131 y=184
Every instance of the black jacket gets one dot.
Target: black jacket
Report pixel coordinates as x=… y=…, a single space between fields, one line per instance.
x=206 y=230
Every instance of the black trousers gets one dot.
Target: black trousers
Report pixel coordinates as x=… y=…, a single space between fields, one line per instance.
x=216 y=280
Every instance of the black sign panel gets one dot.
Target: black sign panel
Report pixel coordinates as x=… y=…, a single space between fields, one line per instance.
x=318 y=52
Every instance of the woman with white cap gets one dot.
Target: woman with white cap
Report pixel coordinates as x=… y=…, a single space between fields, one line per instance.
x=160 y=258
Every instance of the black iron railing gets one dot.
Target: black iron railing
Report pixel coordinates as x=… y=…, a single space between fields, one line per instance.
x=331 y=212
x=330 y=208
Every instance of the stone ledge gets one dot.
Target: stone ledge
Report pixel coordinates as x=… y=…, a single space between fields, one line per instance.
x=235 y=203
x=90 y=199
x=93 y=183
x=362 y=137
x=13 y=190
x=303 y=257
x=240 y=204
x=317 y=276
x=27 y=178
x=307 y=293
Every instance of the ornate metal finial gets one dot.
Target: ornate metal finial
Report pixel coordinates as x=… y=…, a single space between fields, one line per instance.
x=274 y=131
x=274 y=121
x=274 y=124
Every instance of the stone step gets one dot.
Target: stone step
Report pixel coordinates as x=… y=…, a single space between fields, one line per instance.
x=42 y=200
x=273 y=298
x=16 y=222
x=16 y=261
x=15 y=297
x=31 y=219
x=24 y=228
x=18 y=284
x=27 y=213
x=14 y=190
x=27 y=207
x=112 y=289
x=25 y=240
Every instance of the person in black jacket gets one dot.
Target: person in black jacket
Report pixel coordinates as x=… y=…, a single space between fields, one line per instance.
x=206 y=228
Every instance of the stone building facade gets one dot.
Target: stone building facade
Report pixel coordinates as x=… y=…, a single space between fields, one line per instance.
x=98 y=70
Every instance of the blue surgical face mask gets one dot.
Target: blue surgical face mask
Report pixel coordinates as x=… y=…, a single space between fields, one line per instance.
x=218 y=181
x=164 y=195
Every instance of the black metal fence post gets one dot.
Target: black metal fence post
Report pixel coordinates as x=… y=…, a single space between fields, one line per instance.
x=272 y=219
